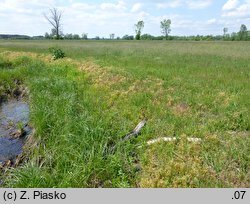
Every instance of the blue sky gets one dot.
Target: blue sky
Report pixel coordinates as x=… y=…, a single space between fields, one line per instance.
x=102 y=17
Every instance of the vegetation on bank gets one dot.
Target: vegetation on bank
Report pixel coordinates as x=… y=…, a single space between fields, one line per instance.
x=84 y=104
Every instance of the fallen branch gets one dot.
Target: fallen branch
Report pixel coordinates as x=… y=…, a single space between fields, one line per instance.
x=194 y=140
x=162 y=139
x=172 y=139
x=135 y=132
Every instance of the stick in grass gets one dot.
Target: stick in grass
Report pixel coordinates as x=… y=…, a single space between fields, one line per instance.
x=135 y=132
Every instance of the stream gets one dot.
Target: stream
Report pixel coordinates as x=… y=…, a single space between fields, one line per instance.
x=13 y=115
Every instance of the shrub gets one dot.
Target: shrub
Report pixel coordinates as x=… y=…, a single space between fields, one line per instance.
x=57 y=53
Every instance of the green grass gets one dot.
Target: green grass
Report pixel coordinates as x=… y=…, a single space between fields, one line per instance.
x=184 y=89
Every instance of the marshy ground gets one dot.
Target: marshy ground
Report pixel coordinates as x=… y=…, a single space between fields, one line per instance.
x=84 y=104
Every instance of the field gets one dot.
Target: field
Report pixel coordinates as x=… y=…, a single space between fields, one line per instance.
x=82 y=105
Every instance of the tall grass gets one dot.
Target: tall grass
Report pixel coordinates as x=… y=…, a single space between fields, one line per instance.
x=73 y=129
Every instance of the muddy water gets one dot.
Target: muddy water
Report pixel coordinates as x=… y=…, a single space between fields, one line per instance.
x=13 y=114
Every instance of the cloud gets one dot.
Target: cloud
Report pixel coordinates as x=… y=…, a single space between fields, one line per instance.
x=136 y=7
x=191 y=4
x=171 y=4
x=212 y=21
x=199 y=4
x=237 y=10
x=83 y=6
x=110 y=6
x=230 y=4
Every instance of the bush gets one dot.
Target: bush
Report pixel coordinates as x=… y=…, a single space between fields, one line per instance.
x=57 y=53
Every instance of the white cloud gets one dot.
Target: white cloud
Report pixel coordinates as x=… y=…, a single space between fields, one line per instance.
x=199 y=4
x=171 y=4
x=237 y=10
x=110 y=6
x=190 y=4
x=136 y=7
x=83 y=6
x=230 y=4
x=212 y=21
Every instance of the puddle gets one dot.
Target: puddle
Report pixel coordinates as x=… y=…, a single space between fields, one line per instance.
x=9 y=149
x=14 y=115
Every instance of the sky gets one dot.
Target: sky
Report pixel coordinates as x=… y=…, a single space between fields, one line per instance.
x=103 y=17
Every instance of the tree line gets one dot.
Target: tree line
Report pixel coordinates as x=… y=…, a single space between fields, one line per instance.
x=55 y=20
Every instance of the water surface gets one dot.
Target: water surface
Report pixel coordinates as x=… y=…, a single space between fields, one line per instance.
x=13 y=114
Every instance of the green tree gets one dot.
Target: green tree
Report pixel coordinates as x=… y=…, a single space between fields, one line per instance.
x=243 y=33
x=138 y=29
x=128 y=37
x=68 y=36
x=76 y=37
x=147 y=37
x=53 y=33
x=85 y=36
x=165 y=27
x=112 y=36
x=225 y=34
x=47 y=36
x=234 y=36
x=225 y=30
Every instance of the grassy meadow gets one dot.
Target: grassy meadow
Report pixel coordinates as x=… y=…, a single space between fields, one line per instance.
x=85 y=103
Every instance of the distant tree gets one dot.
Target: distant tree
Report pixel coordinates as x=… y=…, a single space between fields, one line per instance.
x=68 y=36
x=128 y=37
x=147 y=37
x=138 y=29
x=217 y=37
x=165 y=27
x=55 y=19
x=7 y=36
x=53 y=33
x=208 y=37
x=97 y=38
x=226 y=36
x=159 y=38
x=46 y=35
x=243 y=33
x=85 y=36
x=112 y=36
x=198 y=38
x=243 y=28
x=225 y=30
x=234 y=36
x=76 y=37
